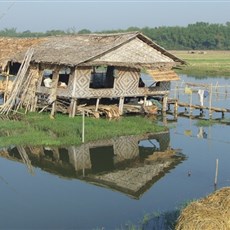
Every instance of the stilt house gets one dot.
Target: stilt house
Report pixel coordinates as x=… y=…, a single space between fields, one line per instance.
x=65 y=72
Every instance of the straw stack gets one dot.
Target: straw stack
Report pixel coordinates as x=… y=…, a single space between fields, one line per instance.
x=210 y=213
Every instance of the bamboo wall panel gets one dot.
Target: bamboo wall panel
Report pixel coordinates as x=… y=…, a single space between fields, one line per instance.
x=126 y=83
x=82 y=89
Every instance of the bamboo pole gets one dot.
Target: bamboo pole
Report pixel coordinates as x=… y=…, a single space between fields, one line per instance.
x=190 y=105
x=74 y=107
x=97 y=104
x=18 y=84
x=121 y=105
x=164 y=106
x=210 y=101
x=216 y=173
x=52 y=114
x=83 y=127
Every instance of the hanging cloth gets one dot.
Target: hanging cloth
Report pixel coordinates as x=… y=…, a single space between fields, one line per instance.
x=187 y=90
x=201 y=96
x=205 y=93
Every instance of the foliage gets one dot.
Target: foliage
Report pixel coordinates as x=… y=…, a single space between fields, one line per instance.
x=39 y=129
x=201 y=35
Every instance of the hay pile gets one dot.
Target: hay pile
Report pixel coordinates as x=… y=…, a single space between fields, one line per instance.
x=210 y=213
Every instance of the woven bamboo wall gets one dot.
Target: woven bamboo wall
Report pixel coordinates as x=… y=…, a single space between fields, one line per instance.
x=125 y=84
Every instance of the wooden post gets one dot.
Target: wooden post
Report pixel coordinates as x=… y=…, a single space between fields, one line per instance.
x=73 y=112
x=175 y=109
x=190 y=105
x=72 y=107
x=121 y=105
x=73 y=100
x=34 y=106
x=145 y=99
x=53 y=109
x=216 y=173
x=97 y=104
x=164 y=118
x=210 y=102
x=164 y=106
x=83 y=127
x=83 y=141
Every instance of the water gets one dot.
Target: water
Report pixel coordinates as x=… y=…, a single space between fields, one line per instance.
x=111 y=183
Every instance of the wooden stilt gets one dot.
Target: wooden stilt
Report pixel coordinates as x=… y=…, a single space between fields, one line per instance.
x=164 y=118
x=210 y=101
x=74 y=107
x=145 y=99
x=97 y=104
x=175 y=109
x=190 y=105
x=52 y=114
x=34 y=106
x=121 y=105
x=164 y=106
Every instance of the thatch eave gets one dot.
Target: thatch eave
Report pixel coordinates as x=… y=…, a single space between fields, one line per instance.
x=157 y=65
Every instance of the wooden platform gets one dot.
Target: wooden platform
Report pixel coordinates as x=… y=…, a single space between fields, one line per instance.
x=177 y=104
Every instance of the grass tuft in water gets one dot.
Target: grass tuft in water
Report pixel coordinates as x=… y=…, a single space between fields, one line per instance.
x=39 y=129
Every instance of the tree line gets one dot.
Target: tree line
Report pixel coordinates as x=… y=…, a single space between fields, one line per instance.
x=201 y=35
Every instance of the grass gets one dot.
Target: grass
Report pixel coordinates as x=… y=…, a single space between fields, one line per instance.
x=158 y=220
x=207 y=123
x=211 y=63
x=38 y=129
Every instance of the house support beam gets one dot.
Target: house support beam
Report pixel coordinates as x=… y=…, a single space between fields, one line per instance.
x=73 y=106
x=34 y=106
x=97 y=104
x=52 y=114
x=165 y=101
x=121 y=105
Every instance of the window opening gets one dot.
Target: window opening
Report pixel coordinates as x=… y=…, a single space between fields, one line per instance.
x=102 y=77
x=63 y=78
x=14 y=68
x=47 y=78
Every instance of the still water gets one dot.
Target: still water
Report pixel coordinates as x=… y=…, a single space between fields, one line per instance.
x=110 y=183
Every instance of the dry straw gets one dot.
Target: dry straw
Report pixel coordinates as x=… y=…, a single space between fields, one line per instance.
x=210 y=213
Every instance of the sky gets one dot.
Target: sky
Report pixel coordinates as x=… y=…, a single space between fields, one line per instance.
x=40 y=16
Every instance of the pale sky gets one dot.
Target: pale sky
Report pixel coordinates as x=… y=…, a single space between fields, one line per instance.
x=40 y=16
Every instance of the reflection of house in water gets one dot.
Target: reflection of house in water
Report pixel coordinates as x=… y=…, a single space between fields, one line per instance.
x=129 y=164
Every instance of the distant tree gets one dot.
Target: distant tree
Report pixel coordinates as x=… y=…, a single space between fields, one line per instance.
x=54 y=32
x=84 y=31
x=12 y=32
x=201 y=35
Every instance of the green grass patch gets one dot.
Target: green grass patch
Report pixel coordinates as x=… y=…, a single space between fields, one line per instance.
x=206 y=123
x=212 y=63
x=39 y=129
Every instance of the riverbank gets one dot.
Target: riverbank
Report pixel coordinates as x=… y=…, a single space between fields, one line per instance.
x=38 y=129
x=205 y=63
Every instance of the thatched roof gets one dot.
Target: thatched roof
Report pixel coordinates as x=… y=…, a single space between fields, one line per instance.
x=129 y=49
x=168 y=75
x=11 y=46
